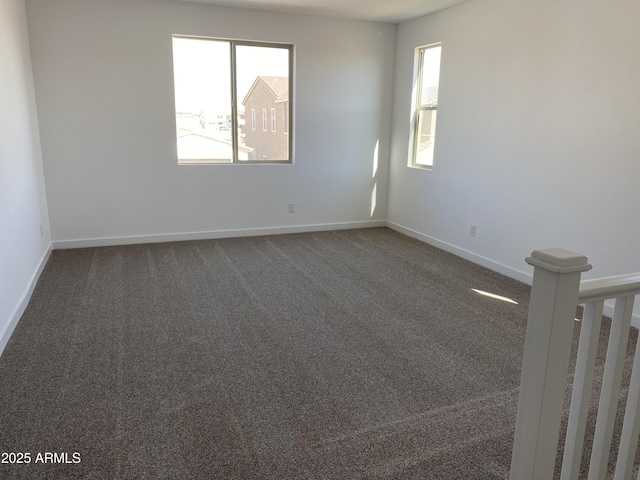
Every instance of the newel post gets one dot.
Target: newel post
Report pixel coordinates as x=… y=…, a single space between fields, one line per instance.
x=554 y=295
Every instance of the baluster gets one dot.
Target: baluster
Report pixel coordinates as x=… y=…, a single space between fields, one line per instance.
x=616 y=350
x=631 y=425
x=581 y=394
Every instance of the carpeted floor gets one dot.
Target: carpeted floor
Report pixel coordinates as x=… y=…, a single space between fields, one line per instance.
x=331 y=355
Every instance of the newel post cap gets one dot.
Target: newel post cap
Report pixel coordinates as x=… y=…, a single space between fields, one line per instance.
x=559 y=260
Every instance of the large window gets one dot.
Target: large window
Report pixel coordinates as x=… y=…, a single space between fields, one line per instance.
x=427 y=81
x=216 y=81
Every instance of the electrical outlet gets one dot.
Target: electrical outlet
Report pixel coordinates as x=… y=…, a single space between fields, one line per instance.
x=292 y=208
x=472 y=230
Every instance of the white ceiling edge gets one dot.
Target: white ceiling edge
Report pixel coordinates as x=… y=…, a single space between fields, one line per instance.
x=387 y=11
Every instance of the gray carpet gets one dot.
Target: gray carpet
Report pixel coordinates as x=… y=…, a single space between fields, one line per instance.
x=332 y=355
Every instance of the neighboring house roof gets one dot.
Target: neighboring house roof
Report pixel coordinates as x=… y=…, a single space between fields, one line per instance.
x=279 y=87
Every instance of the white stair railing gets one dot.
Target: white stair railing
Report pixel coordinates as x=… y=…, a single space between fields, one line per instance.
x=555 y=293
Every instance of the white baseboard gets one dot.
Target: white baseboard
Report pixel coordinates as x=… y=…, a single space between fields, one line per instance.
x=466 y=254
x=99 y=242
x=24 y=300
x=210 y=235
x=491 y=264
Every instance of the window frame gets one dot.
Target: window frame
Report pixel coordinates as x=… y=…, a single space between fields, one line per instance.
x=417 y=107
x=233 y=44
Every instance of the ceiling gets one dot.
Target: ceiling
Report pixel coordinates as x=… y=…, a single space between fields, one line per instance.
x=390 y=11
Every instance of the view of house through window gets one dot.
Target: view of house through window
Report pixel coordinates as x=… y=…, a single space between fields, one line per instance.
x=426 y=105
x=219 y=84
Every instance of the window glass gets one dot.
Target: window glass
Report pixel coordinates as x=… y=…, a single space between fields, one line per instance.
x=427 y=80
x=263 y=83
x=211 y=127
x=203 y=99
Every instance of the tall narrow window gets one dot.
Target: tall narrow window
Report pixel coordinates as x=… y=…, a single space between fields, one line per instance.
x=216 y=81
x=273 y=120
x=427 y=82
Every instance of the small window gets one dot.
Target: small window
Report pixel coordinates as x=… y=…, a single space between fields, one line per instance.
x=216 y=81
x=423 y=125
x=273 y=120
x=285 y=127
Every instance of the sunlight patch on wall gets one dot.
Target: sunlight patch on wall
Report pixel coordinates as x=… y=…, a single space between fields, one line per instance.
x=375 y=159
x=493 y=295
x=374 y=194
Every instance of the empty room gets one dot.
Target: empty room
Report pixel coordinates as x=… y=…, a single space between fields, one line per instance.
x=319 y=239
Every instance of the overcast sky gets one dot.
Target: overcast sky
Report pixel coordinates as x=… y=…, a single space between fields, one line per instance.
x=202 y=72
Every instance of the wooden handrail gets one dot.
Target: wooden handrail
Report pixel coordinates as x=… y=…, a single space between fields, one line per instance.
x=555 y=292
x=609 y=287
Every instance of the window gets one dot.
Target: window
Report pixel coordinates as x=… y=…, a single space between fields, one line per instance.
x=286 y=122
x=216 y=81
x=273 y=120
x=423 y=125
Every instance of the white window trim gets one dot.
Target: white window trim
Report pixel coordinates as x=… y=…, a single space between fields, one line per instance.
x=234 y=114
x=273 y=120
x=416 y=106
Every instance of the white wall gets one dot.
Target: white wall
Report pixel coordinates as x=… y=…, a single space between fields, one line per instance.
x=104 y=85
x=538 y=135
x=23 y=208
